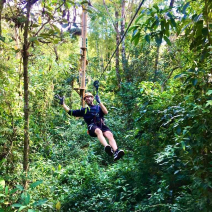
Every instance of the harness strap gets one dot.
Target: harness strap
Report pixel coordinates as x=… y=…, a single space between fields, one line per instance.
x=97 y=116
x=90 y=126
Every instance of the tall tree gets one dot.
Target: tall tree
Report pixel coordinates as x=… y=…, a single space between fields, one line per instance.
x=156 y=62
x=123 y=49
x=117 y=51
x=172 y=3
x=1 y=9
x=117 y=35
x=25 y=55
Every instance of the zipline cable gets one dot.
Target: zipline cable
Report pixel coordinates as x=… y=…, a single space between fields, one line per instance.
x=122 y=37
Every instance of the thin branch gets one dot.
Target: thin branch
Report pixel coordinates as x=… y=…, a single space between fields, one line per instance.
x=42 y=27
x=55 y=49
x=7 y=154
x=47 y=20
x=170 y=74
x=114 y=25
x=45 y=42
x=59 y=7
x=171 y=4
x=11 y=9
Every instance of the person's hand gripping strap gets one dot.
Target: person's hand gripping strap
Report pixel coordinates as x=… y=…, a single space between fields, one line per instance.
x=61 y=99
x=97 y=99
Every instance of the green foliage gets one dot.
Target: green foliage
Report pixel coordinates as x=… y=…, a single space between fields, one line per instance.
x=19 y=198
x=177 y=143
x=164 y=126
x=155 y=17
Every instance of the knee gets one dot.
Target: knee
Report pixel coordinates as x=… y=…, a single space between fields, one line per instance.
x=108 y=134
x=98 y=131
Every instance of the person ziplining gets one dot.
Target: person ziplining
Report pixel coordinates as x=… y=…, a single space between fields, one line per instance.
x=94 y=114
x=94 y=118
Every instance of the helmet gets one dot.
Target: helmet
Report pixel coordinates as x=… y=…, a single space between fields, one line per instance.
x=87 y=94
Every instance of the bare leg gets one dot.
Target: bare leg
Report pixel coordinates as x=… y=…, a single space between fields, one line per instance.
x=111 y=140
x=101 y=137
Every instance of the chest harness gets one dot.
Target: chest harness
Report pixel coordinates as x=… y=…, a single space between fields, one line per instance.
x=96 y=119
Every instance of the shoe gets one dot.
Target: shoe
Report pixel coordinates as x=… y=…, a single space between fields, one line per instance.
x=118 y=154
x=109 y=150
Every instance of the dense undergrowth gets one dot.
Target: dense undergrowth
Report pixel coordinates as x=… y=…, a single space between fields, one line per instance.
x=166 y=167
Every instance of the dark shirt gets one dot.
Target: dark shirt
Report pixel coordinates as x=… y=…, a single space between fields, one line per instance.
x=91 y=114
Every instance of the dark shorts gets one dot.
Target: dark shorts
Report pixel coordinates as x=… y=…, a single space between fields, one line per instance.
x=92 y=128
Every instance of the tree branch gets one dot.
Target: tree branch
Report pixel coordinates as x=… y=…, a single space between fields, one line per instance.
x=42 y=27
x=170 y=74
x=114 y=25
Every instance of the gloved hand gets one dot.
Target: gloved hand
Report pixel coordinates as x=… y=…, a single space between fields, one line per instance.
x=97 y=99
x=61 y=99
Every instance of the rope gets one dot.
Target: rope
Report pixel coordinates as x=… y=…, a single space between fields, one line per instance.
x=123 y=37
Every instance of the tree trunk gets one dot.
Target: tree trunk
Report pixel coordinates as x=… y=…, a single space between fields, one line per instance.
x=72 y=88
x=123 y=50
x=1 y=9
x=56 y=54
x=208 y=19
x=156 y=63
x=117 y=52
x=163 y=86
x=25 y=55
x=19 y=58
x=171 y=4
x=116 y=27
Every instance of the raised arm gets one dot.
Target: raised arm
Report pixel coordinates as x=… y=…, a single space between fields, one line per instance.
x=104 y=109
x=62 y=102
x=66 y=108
